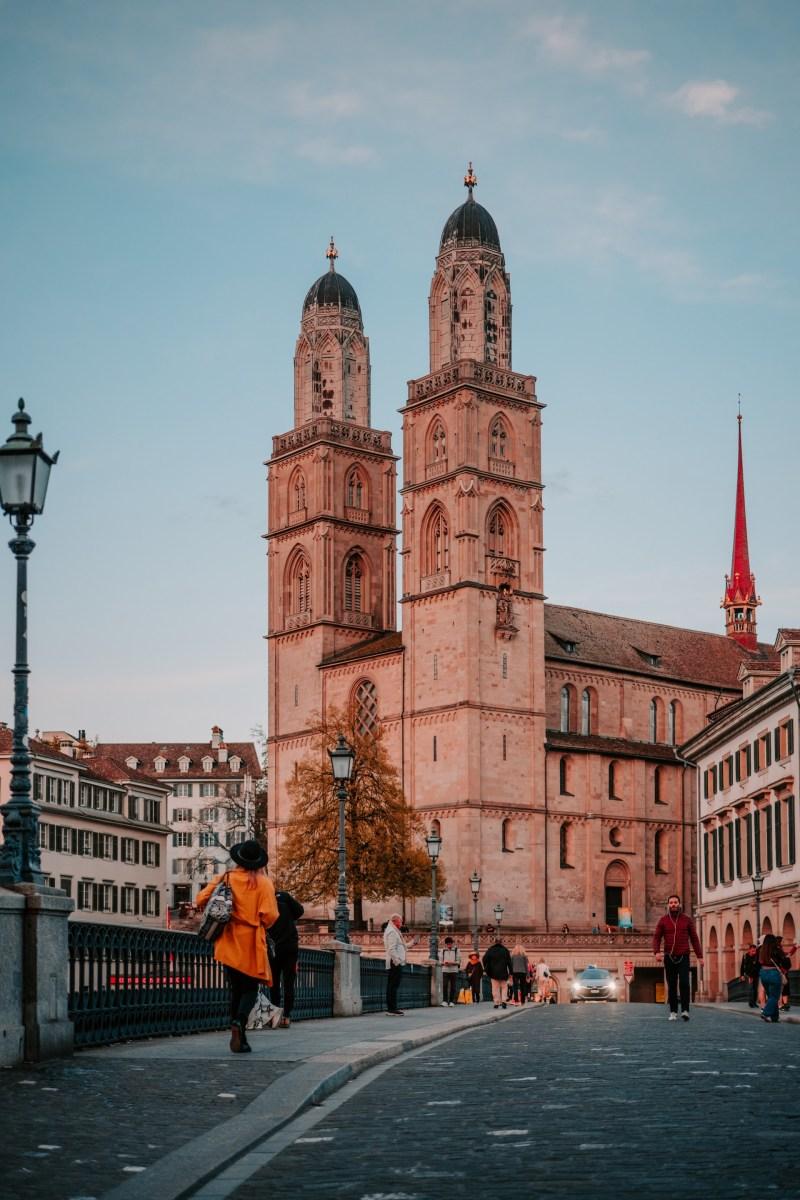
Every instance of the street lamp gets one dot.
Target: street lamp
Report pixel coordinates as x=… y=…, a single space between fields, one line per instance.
x=758 y=887
x=475 y=884
x=498 y=917
x=24 y=474
x=342 y=758
x=434 y=843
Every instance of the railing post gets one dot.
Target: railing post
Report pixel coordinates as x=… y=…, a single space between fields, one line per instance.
x=346 y=978
x=12 y=1030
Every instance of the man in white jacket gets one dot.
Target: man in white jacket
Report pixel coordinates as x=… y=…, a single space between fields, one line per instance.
x=395 y=948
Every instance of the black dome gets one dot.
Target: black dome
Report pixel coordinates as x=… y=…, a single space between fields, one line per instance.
x=471 y=223
x=332 y=288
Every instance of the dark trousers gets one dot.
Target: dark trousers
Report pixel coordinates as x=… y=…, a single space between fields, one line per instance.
x=520 y=986
x=392 y=984
x=677 y=972
x=752 y=999
x=450 y=986
x=283 y=964
x=476 y=991
x=244 y=993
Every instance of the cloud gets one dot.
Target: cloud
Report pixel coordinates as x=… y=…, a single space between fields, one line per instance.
x=565 y=41
x=715 y=99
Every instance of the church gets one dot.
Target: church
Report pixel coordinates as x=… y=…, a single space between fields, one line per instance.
x=540 y=741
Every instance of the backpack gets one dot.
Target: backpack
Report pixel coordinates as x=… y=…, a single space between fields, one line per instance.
x=218 y=911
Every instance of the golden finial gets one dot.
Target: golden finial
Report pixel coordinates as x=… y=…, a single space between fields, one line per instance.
x=332 y=254
x=470 y=179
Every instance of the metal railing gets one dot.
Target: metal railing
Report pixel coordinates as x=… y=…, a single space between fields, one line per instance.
x=127 y=982
x=414 y=991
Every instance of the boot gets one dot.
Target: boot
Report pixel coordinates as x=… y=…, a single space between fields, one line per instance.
x=237 y=1037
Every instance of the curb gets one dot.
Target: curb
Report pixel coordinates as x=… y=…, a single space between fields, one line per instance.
x=199 y=1161
x=743 y=1012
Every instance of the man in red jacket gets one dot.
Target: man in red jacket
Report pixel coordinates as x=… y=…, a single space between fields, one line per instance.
x=677 y=932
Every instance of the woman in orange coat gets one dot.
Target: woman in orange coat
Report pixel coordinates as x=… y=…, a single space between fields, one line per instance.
x=242 y=945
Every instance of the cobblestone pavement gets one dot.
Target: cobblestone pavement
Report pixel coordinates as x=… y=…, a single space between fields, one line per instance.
x=595 y=1101
x=77 y=1127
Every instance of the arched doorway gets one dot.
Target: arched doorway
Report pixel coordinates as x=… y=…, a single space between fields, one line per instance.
x=747 y=936
x=788 y=930
x=617 y=891
x=766 y=926
x=713 y=964
x=729 y=955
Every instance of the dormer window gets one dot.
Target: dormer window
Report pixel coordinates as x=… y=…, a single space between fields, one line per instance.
x=235 y=763
x=132 y=763
x=208 y=763
x=652 y=660
x=160 y=763
x=568 y=646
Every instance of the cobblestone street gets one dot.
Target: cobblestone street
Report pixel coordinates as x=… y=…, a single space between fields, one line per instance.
x=600 y=1101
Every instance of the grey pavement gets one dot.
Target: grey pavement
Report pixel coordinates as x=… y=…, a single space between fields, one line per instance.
x=741 y=1007
x=150 y=1120
x=608 y=1101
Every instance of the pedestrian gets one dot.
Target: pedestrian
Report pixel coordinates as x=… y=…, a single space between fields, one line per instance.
x=676 y=930
x=542 y=972
x=450 y=958
x=284 y=946
x=242 y=945
x=497 y=965
x=474 y=973
x=519 y=970
x=786 y=995
x=774 y=967
x=395 y=947
x=749 y=971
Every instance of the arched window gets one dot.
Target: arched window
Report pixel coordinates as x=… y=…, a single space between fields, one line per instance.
x=564 y=766
x=613 y=781
x=586 y=712
x=436 y=828
x=565 y=850
x=656 y=720
x=657 y=786
x=674 y=730
x=297 y=492
x=500 y=539
x=498 y=439
x=436 y=543
x=300 y=585
x=507 y=832
x=355 y=489
x=365 y=707
x=353 y=584
x=437 y=450
x=567 y=708
x=661 y=861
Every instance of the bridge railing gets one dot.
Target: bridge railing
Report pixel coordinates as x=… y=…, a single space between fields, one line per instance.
x=414 y=990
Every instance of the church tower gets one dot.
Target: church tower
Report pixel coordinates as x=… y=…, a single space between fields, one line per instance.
x=472 y=580
x=740 y=600
x=331 y=522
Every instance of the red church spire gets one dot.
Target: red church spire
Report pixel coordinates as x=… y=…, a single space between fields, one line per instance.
x=740 y=600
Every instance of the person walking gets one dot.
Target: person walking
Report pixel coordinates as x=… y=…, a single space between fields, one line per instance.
x=676 y=930
x=395 y=948
x=749 y=970
x=542 y=973
x=519 y=971
x=774 y=967
x=284 y=946
x=242 y=945
x=474 y=973
x=497 y=965
x=450 y=958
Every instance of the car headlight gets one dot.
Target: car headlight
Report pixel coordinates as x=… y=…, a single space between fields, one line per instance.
x=612 y=984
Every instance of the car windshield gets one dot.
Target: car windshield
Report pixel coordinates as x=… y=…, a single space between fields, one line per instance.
x=594 y=973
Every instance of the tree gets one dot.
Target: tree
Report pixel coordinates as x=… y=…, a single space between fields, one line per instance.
x=383 y=835
x=237 y=814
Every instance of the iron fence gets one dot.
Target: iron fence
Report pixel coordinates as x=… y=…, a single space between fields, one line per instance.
x=414 y=991
x=127 y=982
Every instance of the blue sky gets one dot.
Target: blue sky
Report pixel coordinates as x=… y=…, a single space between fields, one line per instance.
x=171 y=175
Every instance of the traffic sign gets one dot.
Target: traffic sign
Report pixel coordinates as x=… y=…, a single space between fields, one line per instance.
x=628 y=971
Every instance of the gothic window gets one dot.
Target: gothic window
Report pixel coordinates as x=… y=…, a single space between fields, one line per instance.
x=506 y=836
x=354 y=584
x=355 y=490
x=297 y=492
x=661 y=852
x=567 y=708
x=586 y=712
x=300 y=585
x=674 y=731
x=436 y=542
x=498 y=439
x=365 y=708
x=656 y=720
x=657 y=786
x=500 y=532
x=565 y=847
x=563 y=775
x=613 y=781
x=438 y=443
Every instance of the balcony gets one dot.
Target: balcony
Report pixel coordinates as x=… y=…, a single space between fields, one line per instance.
x=501 y=466
x=429 y=583
x=435 y=469
x=298 y=620
x=361 y=620
x=498 y=564
x=358 y=515
x=296 y=516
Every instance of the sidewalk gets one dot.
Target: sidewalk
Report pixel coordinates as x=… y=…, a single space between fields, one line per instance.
x=134 y=1121
x=744 y=1010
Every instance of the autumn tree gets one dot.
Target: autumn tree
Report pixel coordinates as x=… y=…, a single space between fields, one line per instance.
x=383 y=835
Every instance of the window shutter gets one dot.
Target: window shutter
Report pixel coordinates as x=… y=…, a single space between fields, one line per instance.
x=157 y=852
x=790 y=829
x=777 y=740
x=756 y=755
x=115 y=850
x=114 y=898
x=748 y=827
x=731 y=851
x=776 y=820
x=705 y=784
x=737 y=766
x=737 y=847
x=768 y=835
x=136 y=902
x=748 y=754
x=757 y=838
x=790 y=737
x=705 y=860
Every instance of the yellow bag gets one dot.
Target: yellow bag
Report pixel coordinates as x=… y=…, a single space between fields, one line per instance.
x=465 y=996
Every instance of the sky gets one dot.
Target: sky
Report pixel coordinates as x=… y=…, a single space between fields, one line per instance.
x=172 y=171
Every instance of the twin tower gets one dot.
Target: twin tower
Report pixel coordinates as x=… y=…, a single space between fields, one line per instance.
x=460 y=693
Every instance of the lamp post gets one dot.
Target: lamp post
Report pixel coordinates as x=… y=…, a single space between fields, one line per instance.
x=475 y=884
x=758 y=887
x=342 y=758
x=434 y=843
x=24 y=474
x=498 y=918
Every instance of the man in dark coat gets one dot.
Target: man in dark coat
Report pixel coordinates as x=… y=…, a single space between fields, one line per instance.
x=284 y=947
x=497 y=965
x=749 y=972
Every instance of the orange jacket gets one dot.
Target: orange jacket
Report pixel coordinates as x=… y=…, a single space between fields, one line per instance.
x=243 y=941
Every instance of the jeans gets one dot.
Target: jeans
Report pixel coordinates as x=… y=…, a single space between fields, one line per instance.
x=520 y=986
x=283 y=965
x=392 y=984
x=244 y=993
x=772 y=980
x=450 y=986
x=677 y=972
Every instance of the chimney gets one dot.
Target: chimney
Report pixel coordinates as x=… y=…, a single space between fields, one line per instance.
x=222 y=752
x=216 y=737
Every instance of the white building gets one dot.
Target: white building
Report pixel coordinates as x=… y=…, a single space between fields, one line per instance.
x=748 y=763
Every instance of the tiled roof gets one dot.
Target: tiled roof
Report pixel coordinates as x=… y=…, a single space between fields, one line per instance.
x=788 y=635
x=384 y=643
x=646 y=648
x=35 y=746
x=109 y=770
x=578 y=743
x=148 y=752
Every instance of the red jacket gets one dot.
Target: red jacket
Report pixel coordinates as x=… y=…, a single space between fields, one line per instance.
x=677 y=933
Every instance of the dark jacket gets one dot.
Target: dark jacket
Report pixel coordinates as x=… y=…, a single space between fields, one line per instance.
x=750 y=966
x=284 y=932
x=474 y=971
x=497 y=961
x=677 y=932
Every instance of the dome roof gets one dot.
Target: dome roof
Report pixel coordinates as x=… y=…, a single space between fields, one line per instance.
x=471 y=223
x=332 y=289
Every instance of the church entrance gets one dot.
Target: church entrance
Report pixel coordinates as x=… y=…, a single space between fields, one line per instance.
x=616 y=892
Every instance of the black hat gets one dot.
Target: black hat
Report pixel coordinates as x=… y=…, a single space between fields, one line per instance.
x=249 y=855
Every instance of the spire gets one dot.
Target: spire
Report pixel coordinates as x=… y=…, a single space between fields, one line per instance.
x=332 y=254
x=740 y=600
x=470 y=180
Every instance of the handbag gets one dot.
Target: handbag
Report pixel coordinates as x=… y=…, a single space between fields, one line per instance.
x=218 y=911
x=262 y=1014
